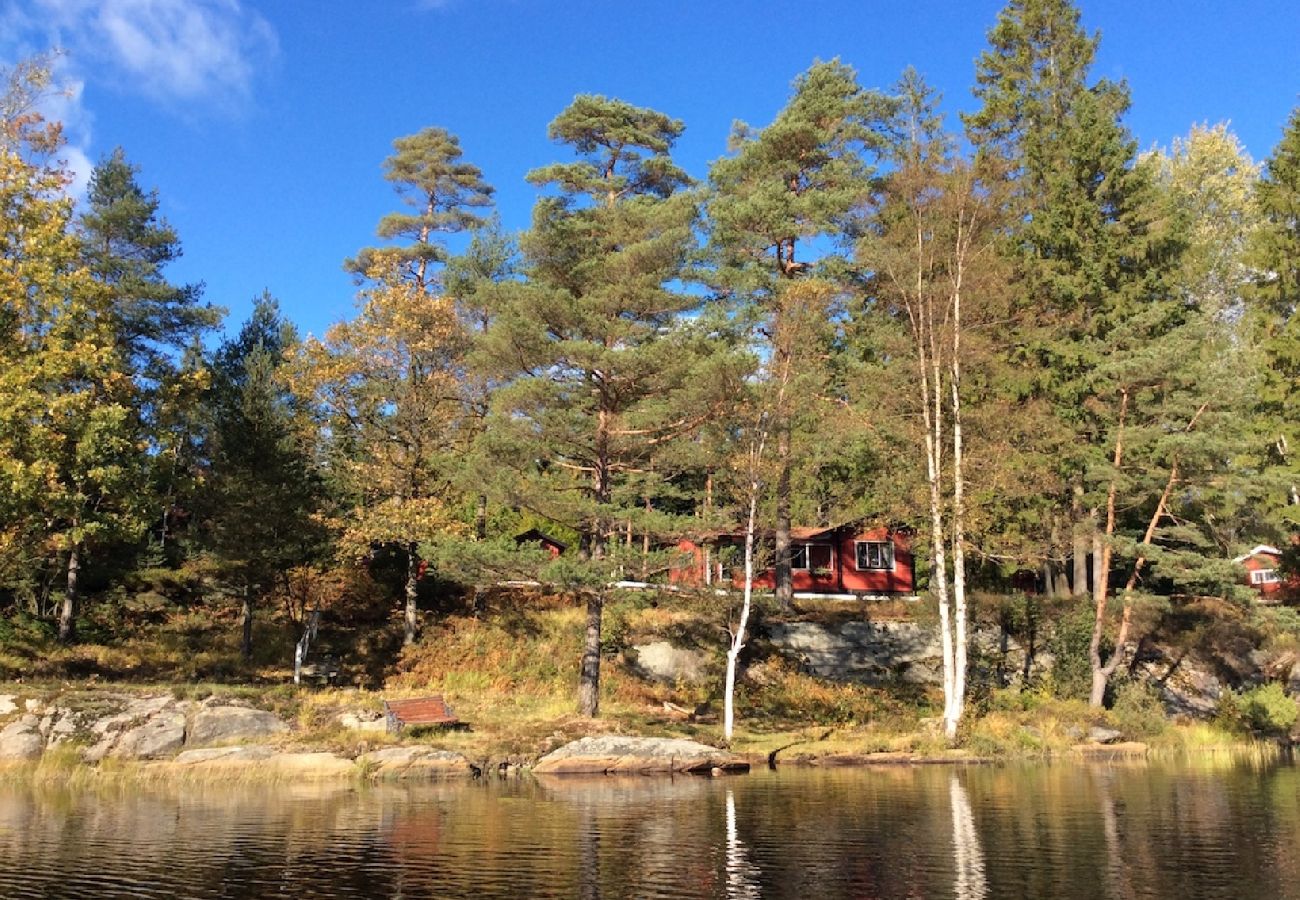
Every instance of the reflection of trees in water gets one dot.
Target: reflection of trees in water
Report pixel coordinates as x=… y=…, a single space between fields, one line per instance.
x=742 y=874
x=969 y=882
x=1065 y=831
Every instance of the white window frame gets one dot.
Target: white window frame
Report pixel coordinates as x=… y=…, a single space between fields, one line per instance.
x=1264 y=576
x=804 y=546
x=858 y=556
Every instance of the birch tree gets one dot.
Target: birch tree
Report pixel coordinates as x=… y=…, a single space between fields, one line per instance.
x=932 y=240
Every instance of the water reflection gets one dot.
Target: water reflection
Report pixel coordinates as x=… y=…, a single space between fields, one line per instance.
x=1068 y=831
x=969 y=883
x=742 y=875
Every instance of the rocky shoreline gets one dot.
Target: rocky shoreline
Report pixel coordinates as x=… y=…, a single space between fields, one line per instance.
x=224 y=738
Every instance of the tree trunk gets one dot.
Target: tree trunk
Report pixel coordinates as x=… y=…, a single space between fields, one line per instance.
x=1101 y=565
x=1082 y=542
x=784 y=575
x=738 y=637
x=71 y=597
x=246 y=642
x=589 y=674
x=958 y=702
x=412 y=619
x=480 y=518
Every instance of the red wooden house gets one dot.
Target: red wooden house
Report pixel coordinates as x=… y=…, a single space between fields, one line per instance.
x=1263 y=573
x=839 y=560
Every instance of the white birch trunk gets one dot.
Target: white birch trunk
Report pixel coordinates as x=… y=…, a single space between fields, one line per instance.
x=957 y=705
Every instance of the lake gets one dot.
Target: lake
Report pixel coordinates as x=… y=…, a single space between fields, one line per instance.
x=1067 y=829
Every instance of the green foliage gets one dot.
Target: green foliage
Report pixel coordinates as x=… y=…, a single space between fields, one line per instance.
x=1138 y=711
x=1265 y=710
x=1071 y=675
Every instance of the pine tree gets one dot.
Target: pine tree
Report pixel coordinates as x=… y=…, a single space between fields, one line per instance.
x=1098 y=255
x=784 y=188
x=1271 y=315
x=429 y=174
x=600 y=365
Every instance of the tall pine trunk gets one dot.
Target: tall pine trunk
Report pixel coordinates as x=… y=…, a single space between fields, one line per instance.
x=589 y=671
x=71 y=597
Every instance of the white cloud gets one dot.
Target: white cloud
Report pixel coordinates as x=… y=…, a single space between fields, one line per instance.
x=170 y=50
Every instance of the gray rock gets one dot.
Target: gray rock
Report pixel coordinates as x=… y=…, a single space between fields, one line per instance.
x=224 y=724
x=160 y=736
x=613 y=753
x=22 y=739
x=7 y=704
x=1099 y=735
x=873 y=652
x=668 y=663
x=414 y=762
x=362 y=722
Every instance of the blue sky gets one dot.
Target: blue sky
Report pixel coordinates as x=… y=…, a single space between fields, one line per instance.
x=263 y=125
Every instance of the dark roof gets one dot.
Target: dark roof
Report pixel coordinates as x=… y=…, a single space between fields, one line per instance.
x=536 y=534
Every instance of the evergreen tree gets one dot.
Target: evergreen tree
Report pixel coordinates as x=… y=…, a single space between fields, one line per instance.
x=429 y=174
x=1133 y=368
x=784 y=188
x=262 y=499
x=600 y=364
x=1271 y=316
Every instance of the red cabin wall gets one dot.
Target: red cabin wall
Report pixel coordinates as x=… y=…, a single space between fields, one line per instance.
x=844 y=576
x=899 y=580
x=1286 y=589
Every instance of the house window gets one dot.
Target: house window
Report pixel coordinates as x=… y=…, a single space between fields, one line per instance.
x=875 y=555
x=811 y=557
x=1264 y=576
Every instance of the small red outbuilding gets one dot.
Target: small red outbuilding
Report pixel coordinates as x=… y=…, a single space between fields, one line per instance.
x=840 y=559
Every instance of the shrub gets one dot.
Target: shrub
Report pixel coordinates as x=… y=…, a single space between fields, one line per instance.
x=1138 y=710
x=1263 y=710
x=1071 y=676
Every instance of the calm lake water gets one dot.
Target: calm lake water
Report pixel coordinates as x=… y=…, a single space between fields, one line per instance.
x=1064 y=830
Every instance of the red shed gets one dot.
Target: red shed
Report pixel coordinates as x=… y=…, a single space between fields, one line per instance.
x=839 y=559
x=1262 y=565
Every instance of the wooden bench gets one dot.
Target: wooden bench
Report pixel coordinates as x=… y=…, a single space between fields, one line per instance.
x=419 y=711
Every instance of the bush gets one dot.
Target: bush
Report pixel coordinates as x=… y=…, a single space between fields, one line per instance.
x=1138 y=711
x=1071 y=676
x=1265 y=710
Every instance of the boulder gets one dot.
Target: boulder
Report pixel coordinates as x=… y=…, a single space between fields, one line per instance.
x=226 y=724
x=415 y=762
x=872 y=652
x=363 y=722
x=1099 y=735
x=612 y=753
x=22 y=739
x=7 y=704
x=666 y=662
x=160 y=736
